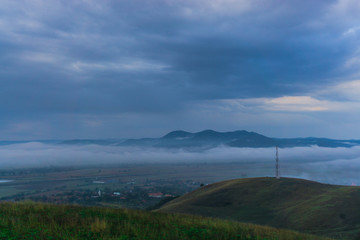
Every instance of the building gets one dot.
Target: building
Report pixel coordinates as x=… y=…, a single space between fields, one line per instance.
x=156 y=195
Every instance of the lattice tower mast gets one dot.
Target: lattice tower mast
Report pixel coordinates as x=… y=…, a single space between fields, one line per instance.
x=277 y=163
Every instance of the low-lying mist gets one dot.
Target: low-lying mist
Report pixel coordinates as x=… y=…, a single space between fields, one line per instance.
x=328 y=165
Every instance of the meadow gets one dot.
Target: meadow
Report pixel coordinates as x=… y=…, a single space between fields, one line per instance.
x=298 y=204
x=29 y=220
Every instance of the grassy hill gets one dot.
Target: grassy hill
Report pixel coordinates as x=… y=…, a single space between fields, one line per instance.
x=287 y=203
x=43 y=221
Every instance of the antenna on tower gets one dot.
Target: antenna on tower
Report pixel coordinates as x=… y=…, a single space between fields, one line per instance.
x=277 y=163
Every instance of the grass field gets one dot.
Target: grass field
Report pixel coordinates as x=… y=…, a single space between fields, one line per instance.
x=28 y=220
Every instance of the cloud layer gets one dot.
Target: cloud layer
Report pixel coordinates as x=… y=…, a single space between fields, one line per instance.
x=328 y=165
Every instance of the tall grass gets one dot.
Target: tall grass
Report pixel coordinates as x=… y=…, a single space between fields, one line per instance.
x=28 y=220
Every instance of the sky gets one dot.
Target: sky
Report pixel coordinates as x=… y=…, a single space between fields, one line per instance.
x=129 y=69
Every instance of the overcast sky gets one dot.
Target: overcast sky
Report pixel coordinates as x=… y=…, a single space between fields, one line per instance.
x=127 y=69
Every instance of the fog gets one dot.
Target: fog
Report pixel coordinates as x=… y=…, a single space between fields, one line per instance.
x=328 y=165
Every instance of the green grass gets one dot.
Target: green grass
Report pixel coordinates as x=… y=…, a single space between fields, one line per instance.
x=286 y=203
x=28 y=220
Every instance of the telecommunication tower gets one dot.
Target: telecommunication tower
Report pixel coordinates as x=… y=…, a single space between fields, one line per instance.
x=277 y=163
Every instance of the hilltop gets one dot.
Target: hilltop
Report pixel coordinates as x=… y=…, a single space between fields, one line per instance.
x=298 y=204
x=30 y=220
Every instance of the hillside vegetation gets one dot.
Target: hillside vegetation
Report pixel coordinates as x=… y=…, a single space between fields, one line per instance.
x=30 y=220
x=287 y=203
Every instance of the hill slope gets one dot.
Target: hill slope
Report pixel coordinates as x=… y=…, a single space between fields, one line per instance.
x=288 y=203
x=43 y=221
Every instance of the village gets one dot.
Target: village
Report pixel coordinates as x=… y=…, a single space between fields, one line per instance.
x=120 y=186
x=113 y=193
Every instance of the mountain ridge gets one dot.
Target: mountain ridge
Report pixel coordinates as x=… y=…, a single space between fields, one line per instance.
x=207 y=139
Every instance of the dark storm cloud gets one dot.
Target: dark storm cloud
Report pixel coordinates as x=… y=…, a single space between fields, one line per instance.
x=154 y=57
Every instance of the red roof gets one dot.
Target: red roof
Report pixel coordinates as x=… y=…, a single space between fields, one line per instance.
x=158 y=194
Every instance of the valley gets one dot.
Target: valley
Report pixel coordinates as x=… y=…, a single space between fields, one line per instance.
x=223 y=190
x=137 y=186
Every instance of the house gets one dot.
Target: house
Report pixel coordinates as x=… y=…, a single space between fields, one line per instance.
x=156 y=195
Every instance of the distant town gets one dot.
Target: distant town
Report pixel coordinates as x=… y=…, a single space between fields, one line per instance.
x=110 y=187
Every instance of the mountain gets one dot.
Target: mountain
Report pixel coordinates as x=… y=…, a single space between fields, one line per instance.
x=178 y=135
x=296 y=204
x=209 y=139
x=3 y=143
x=28 y=220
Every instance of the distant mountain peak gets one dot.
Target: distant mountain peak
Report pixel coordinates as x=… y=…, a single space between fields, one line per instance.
x=177 y=134
x=207 y=131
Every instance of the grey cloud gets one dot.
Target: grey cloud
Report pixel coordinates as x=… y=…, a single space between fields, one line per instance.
x=157 y=57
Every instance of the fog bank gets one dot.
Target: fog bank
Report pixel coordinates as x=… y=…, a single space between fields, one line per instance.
x=328 y=165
